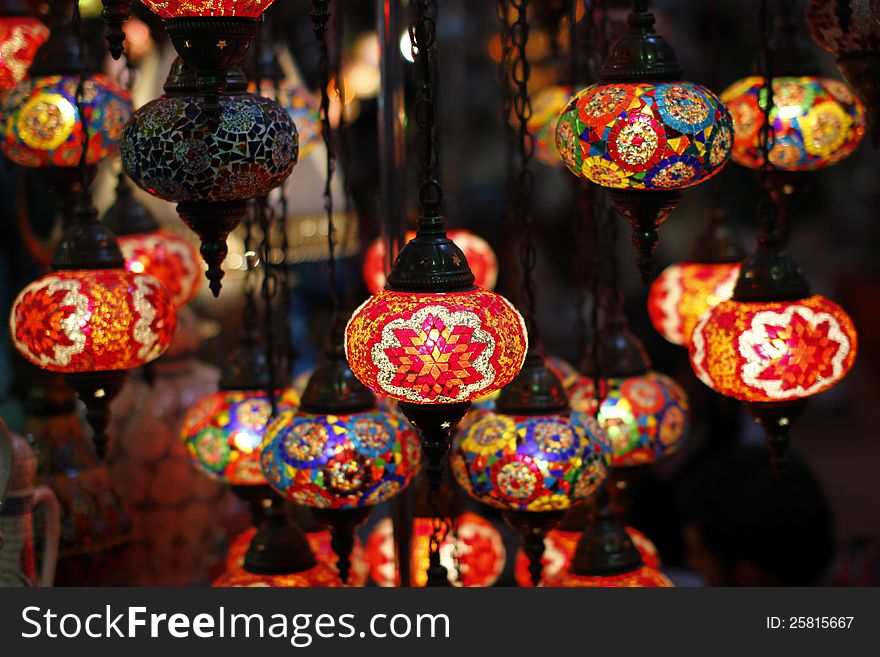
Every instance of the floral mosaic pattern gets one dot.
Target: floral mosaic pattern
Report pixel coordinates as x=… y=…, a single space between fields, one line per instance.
x=20 y=37
x=92 y=320
x=559 y=547
x=436 y=348
x=177 y=149
x=531 y=463
x=223 y=433
x=340 y=461
x=684 y=292
x=477 y=252
x=168 y=257
x=645 y=417
x=773 y=351
x=42 y=126
x=479 y=552
x=322 y=575
x=645 y=136
x=817 y=122
x=178 y=8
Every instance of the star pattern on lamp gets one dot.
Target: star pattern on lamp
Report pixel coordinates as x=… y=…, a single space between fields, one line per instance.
x=436 y=354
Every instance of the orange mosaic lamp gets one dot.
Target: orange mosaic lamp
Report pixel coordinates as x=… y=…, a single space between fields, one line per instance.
x=480 y=256
x=684 y=291
x=476 y=548
x=148 y=249
x=91 y=319
x=20 y=36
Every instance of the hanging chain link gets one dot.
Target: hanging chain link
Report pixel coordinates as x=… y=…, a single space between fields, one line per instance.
x=525 y=178
x=423 y=34
x=268 y=293
x=79 y=30
x=766 y=134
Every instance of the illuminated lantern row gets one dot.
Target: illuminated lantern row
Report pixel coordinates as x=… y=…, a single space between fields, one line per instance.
x=643 y=132
x=850 y=30
x=319 y=541
x=479 y=254
x=210 y=159
x=475 y=559
x=148 y=249
x=339 y=454
x=686 y=290
x=817 y=121
x=20 y=36
x=560 y=546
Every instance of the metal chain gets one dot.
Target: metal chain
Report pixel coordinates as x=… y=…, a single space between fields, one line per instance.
x=80 y=103
x=423 y=34
x=502 y=11
x=320 y=18
x=766 y=133
x=268 y=292
x=525 y=179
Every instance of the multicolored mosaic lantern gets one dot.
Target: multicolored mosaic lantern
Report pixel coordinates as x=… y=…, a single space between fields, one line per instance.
x=436 y=348
x=560 y=546
x=478 y=552
x=224 y=431
x=774 y=351
x=547 y=104
x=187 y=149
x=148 y=249
x=41 y=122
x=850 y=30
x=319 y=541
x=643 y=132
x=684 y=292
x=531 y=463
x=479 y=254
x=645 y=416
x=817 y=122
x=20 y=36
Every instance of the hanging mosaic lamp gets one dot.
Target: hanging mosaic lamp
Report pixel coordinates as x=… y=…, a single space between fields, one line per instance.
x=684 y=291
x=148 y=249
x=20 y=36
x=644 y=413
x=561 y=542
x=850 y=30
x=533 y=457
x=644 y=133
x=91 y=319
x=480 y=257
x=178 y=149
x=817 y=121
x=473 y=557
x=432 y=340
x=339 y=454
x=605 y=556
x=42 y=126
x=223 y=432
x=279 y=556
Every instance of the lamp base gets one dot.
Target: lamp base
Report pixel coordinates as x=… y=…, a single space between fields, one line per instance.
x=435 y=423
x=645 y=210
x=776 y=419
x=343 y=523
x=862 y=71
x=213 y=222
x=97 y=390
x=533 y=528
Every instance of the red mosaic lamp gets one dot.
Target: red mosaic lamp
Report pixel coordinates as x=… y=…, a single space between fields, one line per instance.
x=149 y=249
x=606 y=556
x=644 y=133
x=21 y=34
x=850 y=30
x=480 y=256
x=432 y=340
x=685 y=291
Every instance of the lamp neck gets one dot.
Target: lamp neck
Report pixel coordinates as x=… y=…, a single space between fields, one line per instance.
x=640 y=54
x=61 y=54
x=86 y=242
